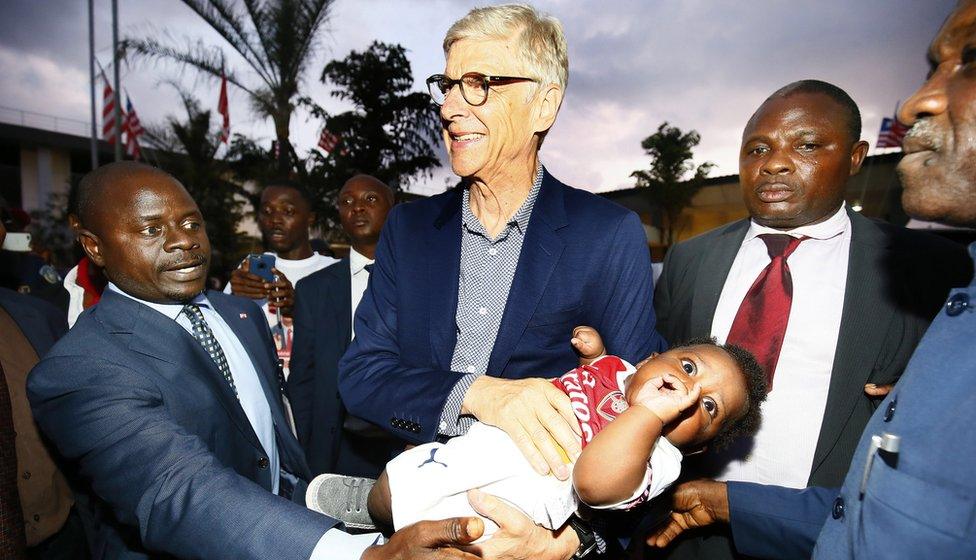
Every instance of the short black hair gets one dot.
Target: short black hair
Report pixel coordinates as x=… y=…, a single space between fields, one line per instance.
x=841 y=97
x=289 y=184
x=755 y=378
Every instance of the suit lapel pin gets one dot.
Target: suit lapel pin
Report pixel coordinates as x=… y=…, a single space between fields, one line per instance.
x=243 y=315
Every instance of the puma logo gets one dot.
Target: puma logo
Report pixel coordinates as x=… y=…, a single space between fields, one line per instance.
x=432 y=460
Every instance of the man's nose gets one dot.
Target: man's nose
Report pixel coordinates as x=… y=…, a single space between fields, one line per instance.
x=181 y=238
x=928 y=100
x=454 y=104
x=777 y=163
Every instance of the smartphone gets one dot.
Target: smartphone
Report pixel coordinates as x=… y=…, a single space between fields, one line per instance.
x=262 y=265
x=15 y=241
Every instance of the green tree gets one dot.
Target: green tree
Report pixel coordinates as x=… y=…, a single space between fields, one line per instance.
x=390 y=132
x=187 y=149
x=276 y=39
x=673 y=179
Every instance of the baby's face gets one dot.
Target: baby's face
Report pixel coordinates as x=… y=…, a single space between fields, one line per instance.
x=723 y=391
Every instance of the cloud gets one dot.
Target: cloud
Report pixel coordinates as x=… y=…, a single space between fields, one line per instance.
x=698 y=64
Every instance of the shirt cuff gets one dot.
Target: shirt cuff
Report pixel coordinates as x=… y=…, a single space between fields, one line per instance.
x=451 y=423
x=339 y=545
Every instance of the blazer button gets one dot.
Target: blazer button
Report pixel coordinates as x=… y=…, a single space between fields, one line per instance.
x=263 y=463
x=889 y=412
x=838 y=510
x=957 y=304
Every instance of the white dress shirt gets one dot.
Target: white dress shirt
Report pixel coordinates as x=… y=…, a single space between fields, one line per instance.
x=793 y=412
x=359 y=279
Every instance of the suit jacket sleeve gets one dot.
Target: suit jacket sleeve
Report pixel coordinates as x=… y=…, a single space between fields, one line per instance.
x=155 y=475
x=777 y=522
x=301 y=377
x=628 y=323
x=373 y=381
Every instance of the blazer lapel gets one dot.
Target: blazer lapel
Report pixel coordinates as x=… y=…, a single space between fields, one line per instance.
x=260 y=353
x=153 y=334
x=343 y=298
x=541 y=250
x=444 y=264
x=863 y=327
x=714 y=268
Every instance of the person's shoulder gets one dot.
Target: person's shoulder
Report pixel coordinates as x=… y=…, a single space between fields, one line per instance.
x=425 y=210
x=583 y=204
x=324 y=276
x=916 y=243
x=704 y=239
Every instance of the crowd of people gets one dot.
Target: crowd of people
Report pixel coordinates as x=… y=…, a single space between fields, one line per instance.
x=492 y=369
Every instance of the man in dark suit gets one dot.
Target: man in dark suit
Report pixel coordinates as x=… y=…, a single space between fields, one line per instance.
x=167 y=397
x=325 y=302
x=862 y=293
x=476 y=291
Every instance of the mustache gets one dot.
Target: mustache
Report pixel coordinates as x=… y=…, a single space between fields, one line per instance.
x=924 y=133
x=188 y=260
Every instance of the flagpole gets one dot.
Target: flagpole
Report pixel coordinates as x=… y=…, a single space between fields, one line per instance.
x=117 y=134
x=91 y=76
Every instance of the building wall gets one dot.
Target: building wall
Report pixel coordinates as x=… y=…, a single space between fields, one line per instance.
x=43 y=171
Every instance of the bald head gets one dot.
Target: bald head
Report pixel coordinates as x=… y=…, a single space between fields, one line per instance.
x=363 y=181
x=99 y=188
x=363 y=204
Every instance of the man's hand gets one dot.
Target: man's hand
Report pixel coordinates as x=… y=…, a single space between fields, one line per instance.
x=517 y=536
x=244 y=283
x=667 y=397
x=430 y=540
x=878 y=391
x=282 y=293
x=695 y=504
x=534 y=413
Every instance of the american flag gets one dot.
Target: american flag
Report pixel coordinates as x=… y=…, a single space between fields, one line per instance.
x=108 y=111
x=892 y=133
x=224 y=109
x=133 y=130
x=328 y=141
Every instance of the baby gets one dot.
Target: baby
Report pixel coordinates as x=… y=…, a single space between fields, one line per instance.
x=635 y=422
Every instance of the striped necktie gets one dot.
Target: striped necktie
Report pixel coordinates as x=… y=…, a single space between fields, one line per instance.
x=203 y=334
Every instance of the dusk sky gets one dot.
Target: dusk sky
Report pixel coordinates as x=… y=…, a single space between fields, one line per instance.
x=699 y=64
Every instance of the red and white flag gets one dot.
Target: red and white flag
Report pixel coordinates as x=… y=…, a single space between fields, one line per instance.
x=891 y=134
x=328 y=141
x=133 y=130
x=224 y=109
x=108 y=111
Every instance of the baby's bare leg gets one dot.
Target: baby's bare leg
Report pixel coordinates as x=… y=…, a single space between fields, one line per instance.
x=379 y=503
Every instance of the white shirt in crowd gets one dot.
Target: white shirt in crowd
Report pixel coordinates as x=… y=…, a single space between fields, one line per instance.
x=76 y=296
x=293 y=270
x=359 y=279
x=793 y=412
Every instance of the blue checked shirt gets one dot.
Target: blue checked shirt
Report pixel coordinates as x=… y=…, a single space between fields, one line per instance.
x=487 y=269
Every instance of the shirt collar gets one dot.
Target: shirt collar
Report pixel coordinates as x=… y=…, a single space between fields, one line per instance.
x=833 y=226
x=171 y=310
x=521 y=217
x=357 y=262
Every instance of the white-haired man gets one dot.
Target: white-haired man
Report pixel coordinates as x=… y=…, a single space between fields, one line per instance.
x=476 y=291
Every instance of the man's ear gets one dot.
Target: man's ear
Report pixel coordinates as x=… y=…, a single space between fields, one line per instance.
x=92 y=246
x=550 y=99
x=311 y=220
x=858 y=153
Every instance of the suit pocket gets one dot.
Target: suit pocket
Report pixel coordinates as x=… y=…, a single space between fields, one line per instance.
x=560 y=317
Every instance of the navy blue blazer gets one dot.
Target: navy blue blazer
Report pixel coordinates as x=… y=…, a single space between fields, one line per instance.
x=42 y=323
x=584 y=261
x=142 y=409
x=323 y=328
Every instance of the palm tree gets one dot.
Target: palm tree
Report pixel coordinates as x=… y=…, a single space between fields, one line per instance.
x=276 y=38
x=188 y=150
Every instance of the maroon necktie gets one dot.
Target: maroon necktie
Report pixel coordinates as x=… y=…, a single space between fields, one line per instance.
x=760 y=324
